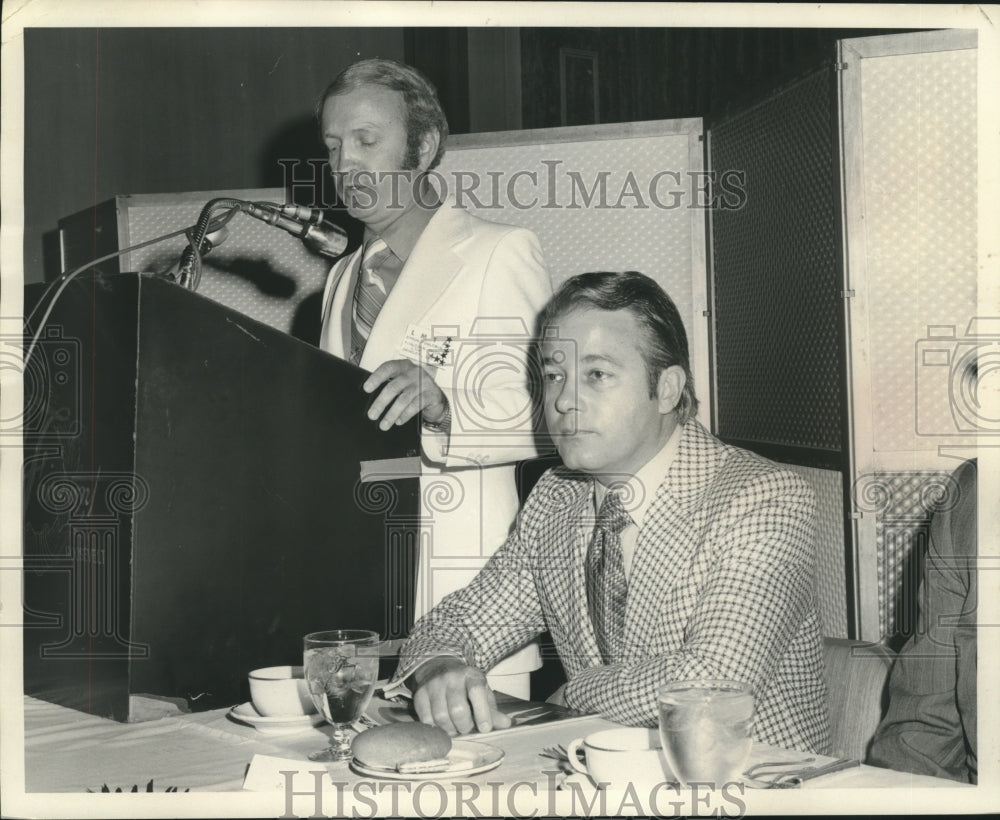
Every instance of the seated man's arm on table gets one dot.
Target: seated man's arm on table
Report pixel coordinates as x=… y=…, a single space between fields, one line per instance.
x=467 y=632
x=455 y=696
x=752 y=601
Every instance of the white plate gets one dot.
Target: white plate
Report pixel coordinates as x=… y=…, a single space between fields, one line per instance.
x=245 y=713
x=482 y=756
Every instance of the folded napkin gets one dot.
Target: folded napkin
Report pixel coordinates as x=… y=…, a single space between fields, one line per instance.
x=266 y=774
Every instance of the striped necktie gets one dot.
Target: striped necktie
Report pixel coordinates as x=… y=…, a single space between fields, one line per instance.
x=369 y=296
x=606 y=584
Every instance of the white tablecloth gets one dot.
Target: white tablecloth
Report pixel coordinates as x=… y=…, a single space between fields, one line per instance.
x=68 y=751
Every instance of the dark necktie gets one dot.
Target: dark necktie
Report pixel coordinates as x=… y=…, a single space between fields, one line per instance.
x=369 y=296
x=606 y=584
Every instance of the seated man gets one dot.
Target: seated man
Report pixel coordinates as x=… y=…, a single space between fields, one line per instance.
x=700 y=564
x=930 y=726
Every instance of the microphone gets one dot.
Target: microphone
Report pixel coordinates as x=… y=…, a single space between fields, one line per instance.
x=307 y=224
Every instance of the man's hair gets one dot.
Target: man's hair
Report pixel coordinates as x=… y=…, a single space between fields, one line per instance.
x=666 y=342
x=423 y=109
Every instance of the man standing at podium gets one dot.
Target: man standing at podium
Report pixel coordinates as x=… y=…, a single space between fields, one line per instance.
x=439 y=305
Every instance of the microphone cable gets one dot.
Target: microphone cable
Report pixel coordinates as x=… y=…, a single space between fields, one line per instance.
x=64 y=280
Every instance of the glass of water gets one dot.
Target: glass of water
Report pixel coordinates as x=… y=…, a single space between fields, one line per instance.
x=705 y=729
x=340 y=666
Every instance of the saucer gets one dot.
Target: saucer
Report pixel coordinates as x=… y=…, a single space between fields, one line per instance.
x=245 y=713
x=467 y=757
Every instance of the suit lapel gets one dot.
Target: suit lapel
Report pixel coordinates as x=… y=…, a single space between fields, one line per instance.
x=338 y=299
x=565 y=540
x=432 y=265
x=672 y=526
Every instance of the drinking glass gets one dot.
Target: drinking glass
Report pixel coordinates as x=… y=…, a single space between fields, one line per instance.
x=705 y=729
x=340 y=667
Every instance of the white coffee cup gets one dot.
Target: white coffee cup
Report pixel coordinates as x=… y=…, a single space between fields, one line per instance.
x=616 y=758
x=280 y=691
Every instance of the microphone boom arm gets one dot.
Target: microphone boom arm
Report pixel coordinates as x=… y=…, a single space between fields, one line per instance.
x=305 y=223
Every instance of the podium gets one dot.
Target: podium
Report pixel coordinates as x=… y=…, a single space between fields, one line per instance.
x=193 y=501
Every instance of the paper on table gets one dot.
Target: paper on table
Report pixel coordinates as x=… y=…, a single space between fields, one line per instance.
x=265 y=774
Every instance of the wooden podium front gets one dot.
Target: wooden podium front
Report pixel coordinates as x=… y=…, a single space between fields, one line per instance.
x=192 y=499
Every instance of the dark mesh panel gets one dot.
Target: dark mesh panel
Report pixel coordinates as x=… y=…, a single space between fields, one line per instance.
x=776 y=273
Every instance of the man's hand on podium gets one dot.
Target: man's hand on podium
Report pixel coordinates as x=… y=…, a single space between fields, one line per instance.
x=408 y=389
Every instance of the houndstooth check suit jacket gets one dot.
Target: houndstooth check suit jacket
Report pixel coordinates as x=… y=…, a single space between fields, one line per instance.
x=721 y=586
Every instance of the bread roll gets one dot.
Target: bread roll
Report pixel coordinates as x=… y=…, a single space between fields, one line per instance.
x=388 y=746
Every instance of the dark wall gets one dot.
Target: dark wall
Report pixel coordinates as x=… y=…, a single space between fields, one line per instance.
x=443 y=55
x=128 y=111
x=666 y=73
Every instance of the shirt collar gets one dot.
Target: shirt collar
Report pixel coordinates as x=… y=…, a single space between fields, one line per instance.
x=402 y=235
x=640 y=490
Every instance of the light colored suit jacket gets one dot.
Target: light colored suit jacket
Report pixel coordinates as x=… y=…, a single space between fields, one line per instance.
x=721 y=586
x=474 y=289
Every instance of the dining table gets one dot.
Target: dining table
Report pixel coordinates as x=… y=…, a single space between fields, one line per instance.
x=214 y=764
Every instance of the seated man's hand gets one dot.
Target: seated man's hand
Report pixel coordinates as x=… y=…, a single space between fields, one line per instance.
x=407 y=389
x=456 y=697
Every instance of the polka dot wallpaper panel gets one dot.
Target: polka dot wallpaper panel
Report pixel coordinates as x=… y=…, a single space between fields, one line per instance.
x=626 y=202
x=920 y=205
